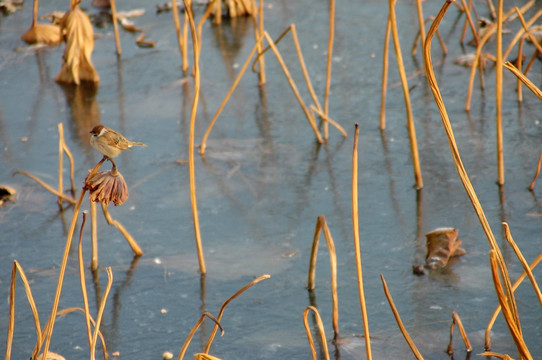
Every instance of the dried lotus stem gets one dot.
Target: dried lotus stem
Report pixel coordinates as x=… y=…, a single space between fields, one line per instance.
x=116 y=26
x=133 y=244
x=328 y=68
x=320 y=331
x=531 y=187
x=456 y=320
x=193 y=331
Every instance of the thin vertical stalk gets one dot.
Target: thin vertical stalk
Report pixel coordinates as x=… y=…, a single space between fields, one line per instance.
x=328 y=68
x=116 y=26
x=177 y=23
x=519 y=65
x=320 y=331
x=93 y=236
x=470 y=22
x=410 y=120
x=498 y=95
x=456 y=320
x=355 y=226
x=531 y=187
x=83 y=281
x=60 y=163
x=99 y=316
x=191 y=168
x=407 y=337
x=385 y=62
x=193 y=331
x=421 y=23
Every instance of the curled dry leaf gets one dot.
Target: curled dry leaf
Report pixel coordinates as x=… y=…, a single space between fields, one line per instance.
x=79 y=36
x=442 y=244
x=51 y=356
x=42 y=34
x=141 y=42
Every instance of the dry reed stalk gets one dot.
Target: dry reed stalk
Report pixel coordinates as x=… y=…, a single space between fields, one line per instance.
x=385 y=62
x=415 y=43
x=491 y=9
x=321 y=224
x=100 y=313
x=258 y=37
x=204 y=17
x=355 y=226
x=456 y=320
x=497 y=355
x=294 y=88
x=185 y=39
x=203 y=144
x=116 y=26
x=521 y=33
x=519 y=66
x=470 y=22
x=507 y=302
x=83 y=281
x=516 y=284
x=314 y=109
x=529 y=33
x=448 y=128
x=48 y=329
x=93 y=236
x=328 y=67
x=177 y=23
x=73 y=309
x=60 y=163
x=498 y=95
x=531 y=187
x=406 y=95
x=320 y=331
x=191 y=168
x=133 y=244
x=193 y=331
x=523 y=262
x=11 y=324
x=476 y=63
x=223 y=307
x=72 y=165
x=421 y=24
x=407 y=337
x=46 y=186
x=524 y=79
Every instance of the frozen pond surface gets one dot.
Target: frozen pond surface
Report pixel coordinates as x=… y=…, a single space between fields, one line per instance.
x=262 y=185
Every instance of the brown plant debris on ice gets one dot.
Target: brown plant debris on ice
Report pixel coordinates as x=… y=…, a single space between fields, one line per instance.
x=41 y=33
x=77 y=66
x=442 y=244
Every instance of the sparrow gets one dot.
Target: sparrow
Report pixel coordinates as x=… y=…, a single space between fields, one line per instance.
x=109 y=142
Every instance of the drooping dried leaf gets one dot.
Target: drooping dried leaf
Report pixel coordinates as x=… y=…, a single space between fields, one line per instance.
x=51 y=356
x=79 y=36
x=43 y=34
x=442 y=244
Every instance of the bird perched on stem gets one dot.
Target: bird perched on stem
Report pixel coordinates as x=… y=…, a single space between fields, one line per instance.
x=109 y=142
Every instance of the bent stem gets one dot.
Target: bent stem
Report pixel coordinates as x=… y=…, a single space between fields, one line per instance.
x=457 y=320
x=193 y=331
x=321 y=224
x=320 y=331
x=133 y=244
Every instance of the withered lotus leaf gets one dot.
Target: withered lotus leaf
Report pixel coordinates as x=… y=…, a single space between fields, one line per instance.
x=77 y=31
x=442 y=244
x=43 y=34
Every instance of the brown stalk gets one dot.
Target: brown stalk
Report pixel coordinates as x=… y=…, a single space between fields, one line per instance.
x=83 y=281
x=46 y=186
x=421 y=23
x=314 y=109
x=519 y=66
x=410 y=120
x=116 y=26
x=478 y=53
x=385 y=62
x=523 y=262
x=133 y=244
x=497 y=355
x=320 y=331
x=456 y=320
x=491 y=9
x=524 y=79
x=498 y=95
x=407 y=337
x=529 y=33
x=193 y=331
x=93 y=236
x=60 y=163
x=203 y=145
x=258 y=34
x=321 y=224
x=355 y=226
x=100 y=312
x=175 y=11
x=185 y=39
x=471 y=23
x=11 y=325
x=72 y=163
x=521 y=33
x=204 y=17
x=328 y=68
x=498 y=309
x=531 y=187
x=223 y=307
x=448 y=128
x=48 y=330
x=294 y=87
x=507 y=303
x=73 y=309
x=418 y=35
x=191 y=168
